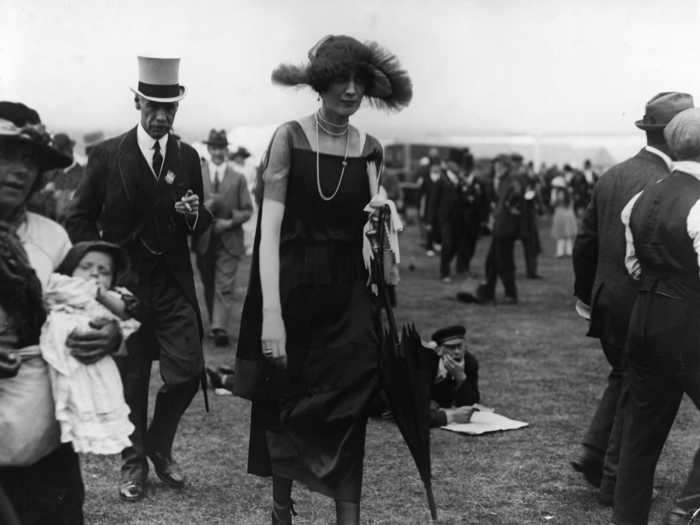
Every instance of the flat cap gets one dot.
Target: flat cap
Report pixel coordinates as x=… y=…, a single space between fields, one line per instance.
x=683 y=134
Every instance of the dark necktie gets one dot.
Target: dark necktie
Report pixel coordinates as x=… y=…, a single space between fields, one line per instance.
x=157 y=159
x=216 y=181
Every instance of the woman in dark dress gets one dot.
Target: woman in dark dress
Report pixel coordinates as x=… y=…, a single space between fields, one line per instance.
x=308 y=346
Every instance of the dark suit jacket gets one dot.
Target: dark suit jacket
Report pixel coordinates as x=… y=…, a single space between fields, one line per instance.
x=602 y=280
x=508 y=210
x=445 y=204
x=231 y=202
x=119 y=200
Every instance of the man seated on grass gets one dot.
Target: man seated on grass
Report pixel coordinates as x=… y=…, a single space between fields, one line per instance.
x=456 y=385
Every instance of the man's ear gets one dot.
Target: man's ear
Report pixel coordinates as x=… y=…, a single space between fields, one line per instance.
x=137 y=102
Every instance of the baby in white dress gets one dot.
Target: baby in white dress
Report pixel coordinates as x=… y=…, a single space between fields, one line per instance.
x=89 y=399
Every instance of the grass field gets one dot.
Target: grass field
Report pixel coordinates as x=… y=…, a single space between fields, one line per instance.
x=535 y=366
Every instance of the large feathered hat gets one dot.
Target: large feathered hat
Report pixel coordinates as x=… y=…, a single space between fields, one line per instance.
x=388 y=85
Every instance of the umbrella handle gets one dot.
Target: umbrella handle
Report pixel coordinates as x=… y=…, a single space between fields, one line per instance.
x=377 y=239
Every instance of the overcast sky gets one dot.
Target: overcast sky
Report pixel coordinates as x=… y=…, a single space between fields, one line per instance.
x=536 y=66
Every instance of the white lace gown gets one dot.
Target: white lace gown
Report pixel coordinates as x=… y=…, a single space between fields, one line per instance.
x=89 y=399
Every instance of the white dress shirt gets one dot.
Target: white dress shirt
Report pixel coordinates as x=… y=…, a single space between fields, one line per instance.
x=146 y=143
x=217 y=172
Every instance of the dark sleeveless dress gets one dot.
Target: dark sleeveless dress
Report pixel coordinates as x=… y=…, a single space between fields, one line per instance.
x=308 y=422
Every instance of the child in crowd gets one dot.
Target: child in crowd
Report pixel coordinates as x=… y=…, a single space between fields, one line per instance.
x=456 y=385
x=564 y=226
x=89 y=399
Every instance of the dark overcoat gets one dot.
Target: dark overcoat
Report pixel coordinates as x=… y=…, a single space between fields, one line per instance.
x=602 y=280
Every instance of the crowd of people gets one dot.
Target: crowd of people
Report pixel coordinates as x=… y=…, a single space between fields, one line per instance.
x=97 y=282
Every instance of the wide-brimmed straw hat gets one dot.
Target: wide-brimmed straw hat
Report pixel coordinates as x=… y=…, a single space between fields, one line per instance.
x=159 y=79
x=217 y=139
x=662 y=108
x=22 y=124
x=389 y=85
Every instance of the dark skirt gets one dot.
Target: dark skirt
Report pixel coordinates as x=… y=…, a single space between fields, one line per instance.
x=310 y=424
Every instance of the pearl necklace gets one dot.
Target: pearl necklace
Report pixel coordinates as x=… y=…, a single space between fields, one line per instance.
x=342 y=171
x=342 y=128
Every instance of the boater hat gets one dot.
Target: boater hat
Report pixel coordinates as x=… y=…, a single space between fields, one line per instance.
x=662 y=108
x=158 y=79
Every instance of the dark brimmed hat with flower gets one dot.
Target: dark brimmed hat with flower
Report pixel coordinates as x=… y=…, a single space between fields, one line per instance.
x=335 y=56
x=19 y=123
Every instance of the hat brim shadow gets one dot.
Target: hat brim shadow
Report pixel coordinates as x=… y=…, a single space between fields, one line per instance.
x=645 y=126
x=48 y=157
x=158 y=99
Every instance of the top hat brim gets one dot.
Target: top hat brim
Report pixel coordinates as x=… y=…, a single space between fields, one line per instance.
x=160 y=99
x=48 y=157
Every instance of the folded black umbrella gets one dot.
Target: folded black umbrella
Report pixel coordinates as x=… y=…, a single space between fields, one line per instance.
x=407 y=370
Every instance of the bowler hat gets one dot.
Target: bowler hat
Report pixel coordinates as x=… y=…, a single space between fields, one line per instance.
x=449 y=335
x=240 y=152
x=217 y=139
x=63 y=142
x=158 y=79
x=22 y=124
x=662 y=108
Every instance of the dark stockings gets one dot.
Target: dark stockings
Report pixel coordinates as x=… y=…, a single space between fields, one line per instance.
x=346 y=512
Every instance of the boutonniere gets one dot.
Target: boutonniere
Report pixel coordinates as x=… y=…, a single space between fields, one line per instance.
x=170 y=177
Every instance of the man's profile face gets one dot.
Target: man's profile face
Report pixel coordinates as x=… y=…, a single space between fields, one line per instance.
x=157 y=118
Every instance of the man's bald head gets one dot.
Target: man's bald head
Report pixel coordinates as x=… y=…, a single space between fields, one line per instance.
x=683 y=134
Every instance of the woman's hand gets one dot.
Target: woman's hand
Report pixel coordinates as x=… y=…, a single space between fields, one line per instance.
x=102 y=338
x=9 y=363
x=274 y=338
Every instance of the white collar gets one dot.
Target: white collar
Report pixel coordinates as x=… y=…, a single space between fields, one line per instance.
x=659 y=153
x=688 y=166
x=146 y=143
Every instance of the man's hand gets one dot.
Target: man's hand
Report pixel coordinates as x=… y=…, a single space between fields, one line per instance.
x=459 y=414
x=455 y=369
x=9 y=363
x=102 y=338
x=221 y=225
x=188 y=205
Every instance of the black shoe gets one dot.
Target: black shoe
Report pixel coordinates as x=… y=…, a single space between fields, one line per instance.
x=590 y=467
x=167 y=470
x=214 y=379
x=132 y=490
x=282 y=514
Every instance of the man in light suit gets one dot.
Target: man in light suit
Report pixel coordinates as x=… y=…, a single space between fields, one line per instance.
x=142 y=190
x=219 y=250
x=604 y=287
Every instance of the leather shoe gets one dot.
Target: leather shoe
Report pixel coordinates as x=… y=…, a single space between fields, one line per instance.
x=167 y=469
x=132 y=490
x=591 y=468
x=680 y=516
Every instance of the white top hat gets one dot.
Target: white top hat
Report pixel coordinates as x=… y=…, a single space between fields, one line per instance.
x=158 y=79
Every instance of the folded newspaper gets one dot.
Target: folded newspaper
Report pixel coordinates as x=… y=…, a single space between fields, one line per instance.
x=485 y=420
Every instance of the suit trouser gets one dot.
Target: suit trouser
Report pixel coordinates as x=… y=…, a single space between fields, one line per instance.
x=530 y=252
x=500 y=263
x=466 y=246
x=449 y=232
x=604 y=431
x=664 y=362
x=174 y=333
x=49 y=492
x=218 y=268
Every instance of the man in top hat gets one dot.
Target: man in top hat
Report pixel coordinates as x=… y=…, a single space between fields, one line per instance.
x=456 y=385
x=448 y=210
x=507 y=216
x=142 y=190
x=602 y=284
x=662 y=233
x=219 y=250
